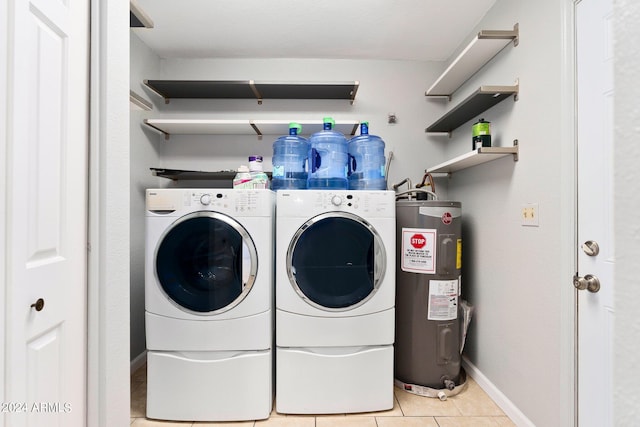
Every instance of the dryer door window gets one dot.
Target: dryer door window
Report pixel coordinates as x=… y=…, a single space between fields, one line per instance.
x=336 y=261
x=206 y=262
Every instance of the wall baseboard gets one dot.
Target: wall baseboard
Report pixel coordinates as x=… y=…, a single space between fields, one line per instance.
x=138 y=361
x=498 y=397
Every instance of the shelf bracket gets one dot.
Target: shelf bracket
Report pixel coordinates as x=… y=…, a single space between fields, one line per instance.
x=154 y=90
x=139 y=102
x=437 y=97
x=438 y=133
x=502 y=34
x=354 y=91
x=515 y=155
x=256 y=92
x=166 y=134
x=256 y=129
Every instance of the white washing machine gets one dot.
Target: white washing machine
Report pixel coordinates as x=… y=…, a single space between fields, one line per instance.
x=208 y=302
x=335 y=296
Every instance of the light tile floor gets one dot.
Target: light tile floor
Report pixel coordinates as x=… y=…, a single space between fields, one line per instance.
x=471 y=408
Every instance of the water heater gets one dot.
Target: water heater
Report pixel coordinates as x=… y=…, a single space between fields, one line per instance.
x=428 y=280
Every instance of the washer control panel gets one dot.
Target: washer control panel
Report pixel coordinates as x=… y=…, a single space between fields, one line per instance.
x=379 y=202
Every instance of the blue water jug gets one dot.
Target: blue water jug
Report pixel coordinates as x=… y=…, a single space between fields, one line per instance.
x=366 y=161
x=328 y=156
x=290 y=160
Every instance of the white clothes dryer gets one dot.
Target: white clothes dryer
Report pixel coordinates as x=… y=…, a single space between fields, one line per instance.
x=335 y=296
x=208 y=303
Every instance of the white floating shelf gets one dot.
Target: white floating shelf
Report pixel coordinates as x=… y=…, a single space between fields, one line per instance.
x=281 y=127
x=201 y=127
x=243 y=127
x=478 y=52
x=478 y=156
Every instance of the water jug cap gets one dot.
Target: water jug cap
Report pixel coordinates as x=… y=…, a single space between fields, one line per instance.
x=328 y=123
x=364 y=128
x=295 y=129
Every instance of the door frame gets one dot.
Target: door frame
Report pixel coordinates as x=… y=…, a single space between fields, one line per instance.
x=4 y=17
x=569 y=196
x=590 y=339
x=569 y=219
x=108 y=358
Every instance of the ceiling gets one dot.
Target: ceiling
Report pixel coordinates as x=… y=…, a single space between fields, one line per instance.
x=421 y=30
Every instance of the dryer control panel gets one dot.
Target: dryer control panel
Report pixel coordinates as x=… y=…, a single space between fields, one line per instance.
x=247 y=202
x=209 y=199
x=294 y=203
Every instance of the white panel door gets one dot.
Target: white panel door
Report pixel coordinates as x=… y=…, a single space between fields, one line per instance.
x=46 y=212
x=595 y=212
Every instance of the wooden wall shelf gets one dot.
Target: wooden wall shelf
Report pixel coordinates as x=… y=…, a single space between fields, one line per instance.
x=243 y=127
x=478 y=156
x=249 y=89
x=476 y=103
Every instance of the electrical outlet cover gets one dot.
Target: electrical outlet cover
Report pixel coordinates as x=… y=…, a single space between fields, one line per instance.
x=530 y=215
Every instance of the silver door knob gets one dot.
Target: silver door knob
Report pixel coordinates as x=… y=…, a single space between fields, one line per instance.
x=588 y=282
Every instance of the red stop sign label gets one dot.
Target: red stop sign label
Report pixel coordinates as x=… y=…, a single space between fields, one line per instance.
x=418 y=241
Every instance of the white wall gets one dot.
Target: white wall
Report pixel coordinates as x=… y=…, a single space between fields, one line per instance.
x=627 y=206
x=519 y=278
x=145 y=147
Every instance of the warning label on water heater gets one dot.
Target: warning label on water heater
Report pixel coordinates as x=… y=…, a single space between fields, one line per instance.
x=443 y=300
x=419 y=250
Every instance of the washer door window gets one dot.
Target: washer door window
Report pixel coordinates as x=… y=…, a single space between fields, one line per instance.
x=336 y=261
x=206 y=262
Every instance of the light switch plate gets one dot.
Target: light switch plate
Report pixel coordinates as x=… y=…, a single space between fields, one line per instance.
x=530 y=215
